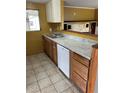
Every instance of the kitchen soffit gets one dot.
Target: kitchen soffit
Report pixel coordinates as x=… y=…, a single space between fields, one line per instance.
x=78 y=3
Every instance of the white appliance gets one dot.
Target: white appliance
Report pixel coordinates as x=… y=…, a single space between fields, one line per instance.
x=63 y=60
x=79 y=26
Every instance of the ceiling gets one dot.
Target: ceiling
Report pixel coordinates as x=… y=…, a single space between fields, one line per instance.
x=78 y=3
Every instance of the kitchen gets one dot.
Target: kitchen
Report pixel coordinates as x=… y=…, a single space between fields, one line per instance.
x=61 y=48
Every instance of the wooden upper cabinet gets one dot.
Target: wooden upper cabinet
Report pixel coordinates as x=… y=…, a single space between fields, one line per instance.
x=53 y=11
x=78 y=14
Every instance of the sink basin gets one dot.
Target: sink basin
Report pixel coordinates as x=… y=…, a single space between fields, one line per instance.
x=56 y=35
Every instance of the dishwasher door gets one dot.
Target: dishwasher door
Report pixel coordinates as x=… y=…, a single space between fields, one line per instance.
x=63 y=60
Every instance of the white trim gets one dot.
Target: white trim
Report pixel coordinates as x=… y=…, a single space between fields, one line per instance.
x=80 y=7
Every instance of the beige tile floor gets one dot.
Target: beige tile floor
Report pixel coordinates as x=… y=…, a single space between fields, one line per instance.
x=42 y=76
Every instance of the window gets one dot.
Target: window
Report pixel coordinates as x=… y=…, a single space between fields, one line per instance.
x=32 y=20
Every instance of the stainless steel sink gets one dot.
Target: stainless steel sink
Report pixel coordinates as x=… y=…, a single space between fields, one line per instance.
x=56 y=35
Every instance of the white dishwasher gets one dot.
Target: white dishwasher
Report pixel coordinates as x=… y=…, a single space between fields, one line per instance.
x=63 y=60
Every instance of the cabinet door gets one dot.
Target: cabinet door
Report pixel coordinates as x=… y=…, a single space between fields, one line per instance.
x=81 y=83
x=53 y=10
x=54 y=53
x=49 y=48
x=49 y=11
x=79 y=71
x=56 y=6
x=46 y=45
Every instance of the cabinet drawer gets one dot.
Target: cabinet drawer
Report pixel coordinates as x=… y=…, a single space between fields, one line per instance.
x=80 y=59
x=79 y=68
x=79 y=81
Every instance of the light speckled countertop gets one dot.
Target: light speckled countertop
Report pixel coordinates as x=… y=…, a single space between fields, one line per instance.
x=82 y=47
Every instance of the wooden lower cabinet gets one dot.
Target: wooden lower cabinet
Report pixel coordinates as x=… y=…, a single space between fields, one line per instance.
x=50 y=48
x=79 y=81
x=82 y=70
x=47 y=46
x=93 y=70
x=80 y=59
x=54 y=52
x=79 y=71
